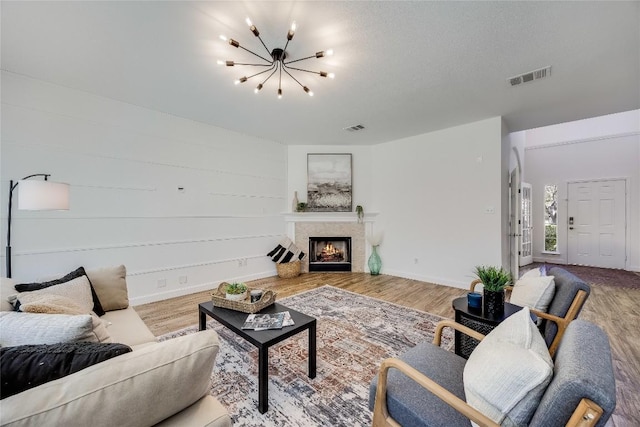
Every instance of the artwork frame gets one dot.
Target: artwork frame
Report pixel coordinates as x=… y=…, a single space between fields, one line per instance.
x=329 y=182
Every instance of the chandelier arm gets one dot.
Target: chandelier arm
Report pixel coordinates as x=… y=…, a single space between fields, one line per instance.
x=301 y=59
x=253 y=53
x=257 y=74
x=254 y=65
x=306 y=71
x=265 y=46
x=296 y=80
x=272 y=73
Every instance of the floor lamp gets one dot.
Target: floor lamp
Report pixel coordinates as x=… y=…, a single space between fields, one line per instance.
x=35 y=196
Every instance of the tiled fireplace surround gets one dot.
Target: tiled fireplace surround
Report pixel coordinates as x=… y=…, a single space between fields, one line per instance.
x=301 y=226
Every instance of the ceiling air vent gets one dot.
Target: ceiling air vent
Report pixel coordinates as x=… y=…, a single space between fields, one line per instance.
x=530 y=76
x=354 y=128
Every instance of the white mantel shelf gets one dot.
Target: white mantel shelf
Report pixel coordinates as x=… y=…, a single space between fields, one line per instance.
x=327 y=217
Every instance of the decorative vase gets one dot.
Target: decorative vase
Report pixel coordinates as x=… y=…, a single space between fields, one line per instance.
x=375 y=263
x=294 y=203
x=493 y=302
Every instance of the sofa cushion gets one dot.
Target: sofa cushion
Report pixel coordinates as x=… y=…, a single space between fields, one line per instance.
x=508 y=372
x=205 y=412
x=139 y=388
x=7 y=288
x=56 y=304
x=27 y=366
x=127 y=327
x=110 y=285
x=79 y=272
x=17 y=328
x=534 y=292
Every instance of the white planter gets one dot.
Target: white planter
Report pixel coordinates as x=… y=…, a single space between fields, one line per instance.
x=236 y=297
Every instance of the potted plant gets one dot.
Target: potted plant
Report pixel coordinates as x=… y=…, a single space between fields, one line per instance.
x=236 y=291
x=302 y=206
x=494 y=280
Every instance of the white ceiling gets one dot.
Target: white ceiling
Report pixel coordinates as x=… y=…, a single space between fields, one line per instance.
x=402 y=68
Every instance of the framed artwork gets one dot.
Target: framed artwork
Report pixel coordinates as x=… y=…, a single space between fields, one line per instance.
x=329 y=182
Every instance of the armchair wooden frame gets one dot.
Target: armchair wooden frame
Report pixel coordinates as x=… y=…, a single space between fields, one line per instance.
x=562 y=322
x=586 y=414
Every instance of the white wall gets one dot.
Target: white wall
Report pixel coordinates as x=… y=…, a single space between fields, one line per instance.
x=125 y=164
x=439 y=198
x=600 y=148
x=360 y=164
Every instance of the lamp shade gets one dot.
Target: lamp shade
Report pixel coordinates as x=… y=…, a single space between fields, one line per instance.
x=36 y=195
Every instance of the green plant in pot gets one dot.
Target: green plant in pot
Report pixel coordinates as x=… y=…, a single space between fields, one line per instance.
x=494 y=280
x=236 y=291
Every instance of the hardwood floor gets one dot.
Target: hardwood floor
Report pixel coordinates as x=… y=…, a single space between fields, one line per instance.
x=616 y=310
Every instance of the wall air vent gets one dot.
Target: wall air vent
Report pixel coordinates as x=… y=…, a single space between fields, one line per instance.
x=530 y=76
x=354 y=128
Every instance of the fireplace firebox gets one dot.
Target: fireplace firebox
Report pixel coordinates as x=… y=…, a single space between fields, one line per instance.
x=329 y=253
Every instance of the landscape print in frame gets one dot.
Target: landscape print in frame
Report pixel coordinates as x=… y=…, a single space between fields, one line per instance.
x=329 y=182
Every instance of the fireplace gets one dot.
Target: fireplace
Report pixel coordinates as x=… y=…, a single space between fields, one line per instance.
x=329 y=253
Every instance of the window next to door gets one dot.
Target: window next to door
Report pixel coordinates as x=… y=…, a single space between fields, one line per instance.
x=551 y=219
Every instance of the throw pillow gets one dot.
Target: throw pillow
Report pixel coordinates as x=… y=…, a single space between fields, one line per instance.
x=534 y=292
x=27 y=366
x=79 y=272
x=77 y=290
x=509 y=371
x=110 y=285
x=56 y=304
x=18 y=328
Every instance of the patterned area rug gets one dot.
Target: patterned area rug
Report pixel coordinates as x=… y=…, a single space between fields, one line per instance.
x=354 y=334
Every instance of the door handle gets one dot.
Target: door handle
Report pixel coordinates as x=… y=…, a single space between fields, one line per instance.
x=570 y=228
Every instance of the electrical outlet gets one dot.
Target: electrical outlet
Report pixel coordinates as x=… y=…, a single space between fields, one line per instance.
x=244 y=262
x=240 y=262
x=162 y=283
x=182 y=280
x=415 y=260
x=489 y=210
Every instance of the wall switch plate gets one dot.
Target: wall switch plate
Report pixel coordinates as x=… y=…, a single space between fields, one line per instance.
x=182 y=280
x=162 y=283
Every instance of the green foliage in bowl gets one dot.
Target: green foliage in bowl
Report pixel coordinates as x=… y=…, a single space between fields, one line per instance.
x=236 y=288
x=493 y=278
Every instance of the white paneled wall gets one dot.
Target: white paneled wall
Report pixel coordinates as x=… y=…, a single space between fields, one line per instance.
x=126 y=165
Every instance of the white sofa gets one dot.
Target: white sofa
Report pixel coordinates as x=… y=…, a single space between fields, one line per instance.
x=158 y=383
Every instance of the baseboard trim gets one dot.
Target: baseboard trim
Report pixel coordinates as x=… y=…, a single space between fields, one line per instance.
x=430 y=279
x=200 y=287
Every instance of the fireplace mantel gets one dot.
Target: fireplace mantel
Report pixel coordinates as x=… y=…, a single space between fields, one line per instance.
x=302 y=225
x=328 y=217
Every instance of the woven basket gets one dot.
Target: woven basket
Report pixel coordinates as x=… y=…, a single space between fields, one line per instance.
x=287 y=270
x=219 y=300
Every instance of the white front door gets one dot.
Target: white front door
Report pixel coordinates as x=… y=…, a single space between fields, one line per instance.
x=526 y=244
x=597 y=223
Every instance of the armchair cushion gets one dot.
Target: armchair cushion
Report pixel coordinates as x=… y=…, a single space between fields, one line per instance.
x=508 y=372
x=412 y=405
x=583 y=369
x=567 y=287
x=534 y=292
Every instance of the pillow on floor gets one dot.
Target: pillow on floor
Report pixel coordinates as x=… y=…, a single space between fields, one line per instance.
x=534 y=292
x=56 y=304
x=17 y=328
x=27 y=366
x=79 y=272
x=110 y=285
x=509 y=371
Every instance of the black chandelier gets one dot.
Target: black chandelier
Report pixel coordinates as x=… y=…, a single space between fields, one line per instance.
x=277 y=63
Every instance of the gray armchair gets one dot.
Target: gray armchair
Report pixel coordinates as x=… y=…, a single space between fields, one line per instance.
x=424 y=387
